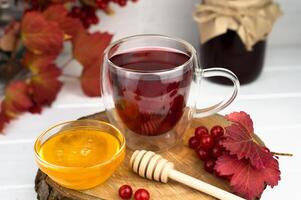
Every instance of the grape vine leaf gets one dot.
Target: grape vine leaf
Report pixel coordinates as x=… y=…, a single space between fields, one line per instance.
x=37 y=62
x=41 y=36
x=45 y=84
x=247 y=181
x=242 y=118
x=239 y=140
x=90 y=81
x=59 y=14
x=88 y=49
x=17 y=99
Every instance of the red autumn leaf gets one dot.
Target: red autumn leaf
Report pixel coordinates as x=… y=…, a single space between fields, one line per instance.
x=37 y=63
x=71 y=26
x=59 y=14
x=242 y=118
x=35 y=108
x=239 y=141
x=17 y=99
x=247 y=181
x=90 y=81
x=45 y=85
x=41 y=36
x=88 y=50
x=55 y=13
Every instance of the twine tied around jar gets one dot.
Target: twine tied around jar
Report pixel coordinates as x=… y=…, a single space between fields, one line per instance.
x=251 y=19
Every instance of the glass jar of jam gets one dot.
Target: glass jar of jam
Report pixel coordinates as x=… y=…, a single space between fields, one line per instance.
x=233 y=35
x=228 y=51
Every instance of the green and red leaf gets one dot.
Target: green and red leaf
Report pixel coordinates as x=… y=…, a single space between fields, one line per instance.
x=45 y=84
x=41 y=36
x=36 y=63
x=42 y=33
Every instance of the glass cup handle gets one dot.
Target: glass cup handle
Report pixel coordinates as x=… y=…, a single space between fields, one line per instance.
x=212 y=72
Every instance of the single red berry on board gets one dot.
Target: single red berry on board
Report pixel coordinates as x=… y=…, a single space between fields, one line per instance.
x=217 y=131
x=142 y=194
x=209 y=166
x=203 y=154
x=216 y=152
x=200 y=131
x=206 y=141
x=125 y=192
x=194 y=142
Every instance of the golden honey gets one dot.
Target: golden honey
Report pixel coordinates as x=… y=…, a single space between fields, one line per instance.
x=81 y=157
x=79 y=148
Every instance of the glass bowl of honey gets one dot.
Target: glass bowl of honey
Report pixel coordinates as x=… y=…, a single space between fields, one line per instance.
x=80 y=154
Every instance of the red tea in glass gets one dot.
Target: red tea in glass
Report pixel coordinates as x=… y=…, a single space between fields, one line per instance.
x=147 y=104
x=147 y=84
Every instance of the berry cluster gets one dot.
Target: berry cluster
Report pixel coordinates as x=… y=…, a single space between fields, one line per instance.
x=86 y=14
x=125 y=192
x=208 y=145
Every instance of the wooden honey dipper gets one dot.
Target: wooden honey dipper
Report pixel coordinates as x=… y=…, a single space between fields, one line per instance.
x=152 y=166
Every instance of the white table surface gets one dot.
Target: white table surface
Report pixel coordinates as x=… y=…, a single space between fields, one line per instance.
x=273 y=100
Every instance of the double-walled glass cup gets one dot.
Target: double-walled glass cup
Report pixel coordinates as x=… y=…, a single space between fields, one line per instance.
x=150 y=86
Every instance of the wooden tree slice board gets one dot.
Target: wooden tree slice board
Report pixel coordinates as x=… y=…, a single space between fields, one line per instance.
x=184 y=158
